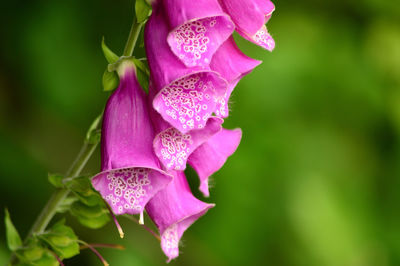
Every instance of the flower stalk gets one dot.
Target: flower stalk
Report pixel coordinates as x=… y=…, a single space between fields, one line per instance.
x=132 y=38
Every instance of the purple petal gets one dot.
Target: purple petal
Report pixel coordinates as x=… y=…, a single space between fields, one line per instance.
x=222 y=109
x=261 y=38
x=186 y=96
x=232 y=64
x=188 y=102
x=173 y=210
x=131 y=172
x=249 y=17
x=173 y=147
x=199 y=28
x=219 y=148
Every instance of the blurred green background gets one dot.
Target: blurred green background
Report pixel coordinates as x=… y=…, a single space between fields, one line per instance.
x=316 y=179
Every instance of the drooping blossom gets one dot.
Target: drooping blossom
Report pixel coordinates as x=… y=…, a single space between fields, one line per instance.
x=250 y=17
x=173 y=210
x=233 y=65
x=173 y=147
x=130 y=171
x=212 y=155
x=198 y=28
x=186 y=97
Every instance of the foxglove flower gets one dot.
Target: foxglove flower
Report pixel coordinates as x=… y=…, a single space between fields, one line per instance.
x=186 y=97
x=198 y=28
x=212 y=155
x=173 y=147
x=130 y=171
x=250 y=17
x=173 y=210
x=233 y=65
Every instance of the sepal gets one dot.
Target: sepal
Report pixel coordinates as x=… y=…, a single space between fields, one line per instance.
x=110 y=56
x=110 y=80
x=62 y=240
x=93 y=217
x=35 y=253
x=13 y=239
x=89 y=208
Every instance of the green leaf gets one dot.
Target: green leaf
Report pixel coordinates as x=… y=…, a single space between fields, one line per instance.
x=62 y=240
x=13 y=239
x=66 y=204
x=81 y=185
x=94 y=222
x=110 y=80
x=83 y=189
x=56 y=180
x=90 y=200
x=46 y=260
x=90 y=216
x=32 y=253
x=110 y=56
x=143 y=10
x=80 y=209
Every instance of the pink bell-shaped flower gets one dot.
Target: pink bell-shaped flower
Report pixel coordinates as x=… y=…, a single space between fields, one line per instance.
x=212 y=155
x=130 y=171
x=198 y=28
x=173 y=210
x=250 y=17
x=233 y=65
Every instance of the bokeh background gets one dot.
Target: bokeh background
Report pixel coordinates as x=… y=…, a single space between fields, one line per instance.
x=316 y=179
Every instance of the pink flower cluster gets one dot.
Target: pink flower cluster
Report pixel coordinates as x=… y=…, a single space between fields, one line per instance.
x=148 y=139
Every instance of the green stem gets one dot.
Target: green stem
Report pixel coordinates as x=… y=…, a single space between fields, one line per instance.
x=84 y=155
x=132 y=38
x=60 y=194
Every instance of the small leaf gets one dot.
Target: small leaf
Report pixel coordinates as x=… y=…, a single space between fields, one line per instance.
x=32 y=253
x=80 y=209
x=66 y=204
x=90 y=200
x=38 y=257
x=81 y=185
x=62 y=240
x=46 y=260
x=110 y=56
x=56 y=180
x=143 y=10
x=110 y=80
x=90 y=216
x=94 y=222
x=13 y=238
